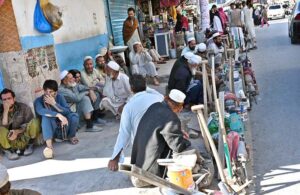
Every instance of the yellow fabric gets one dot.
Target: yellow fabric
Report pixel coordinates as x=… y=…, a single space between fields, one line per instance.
x=43 y=3
x=32 y=131
x=173 y=12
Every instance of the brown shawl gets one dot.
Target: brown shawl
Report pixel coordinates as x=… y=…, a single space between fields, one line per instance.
x=128 y=29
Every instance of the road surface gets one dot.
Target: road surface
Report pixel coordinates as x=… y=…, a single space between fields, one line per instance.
x=275 y=120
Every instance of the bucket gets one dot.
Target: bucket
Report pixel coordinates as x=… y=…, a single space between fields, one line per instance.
x=173 y=53
x=181 y=176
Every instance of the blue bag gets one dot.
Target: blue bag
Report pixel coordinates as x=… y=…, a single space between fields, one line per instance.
x=40 y=22
x=236 y=123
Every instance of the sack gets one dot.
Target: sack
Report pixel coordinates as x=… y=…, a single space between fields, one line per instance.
x=236 y=123
x=53 y=15
x=40 y=22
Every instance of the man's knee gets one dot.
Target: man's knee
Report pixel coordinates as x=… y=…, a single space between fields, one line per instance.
x=3 y=132
x=73 y=118
x=34 y=128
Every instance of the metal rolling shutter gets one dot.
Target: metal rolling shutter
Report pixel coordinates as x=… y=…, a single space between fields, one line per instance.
x=118 y=13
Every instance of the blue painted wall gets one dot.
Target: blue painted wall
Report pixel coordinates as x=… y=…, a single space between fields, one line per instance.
x=70 y=55
x=29 y=42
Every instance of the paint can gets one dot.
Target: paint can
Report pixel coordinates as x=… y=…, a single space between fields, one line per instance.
x=181 y=176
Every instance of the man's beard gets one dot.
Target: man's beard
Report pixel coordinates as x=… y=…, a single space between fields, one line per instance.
x=219 y=44
x=193 y=71
x=72 y=84
x=192 y=48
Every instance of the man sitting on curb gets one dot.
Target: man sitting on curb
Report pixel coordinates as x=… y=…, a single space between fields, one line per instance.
x=95 y=81
x=132 y=113
x=5 y=185
x=18 y=127
x=116 y=90
x=57 y=118
x=159 y=133
x=79 y=99
x=141 y=62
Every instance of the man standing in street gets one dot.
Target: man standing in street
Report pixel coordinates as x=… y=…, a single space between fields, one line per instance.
x=130 y=29
x=18 y=127
x=116 y=90
x=132 y=113
x=236 y=23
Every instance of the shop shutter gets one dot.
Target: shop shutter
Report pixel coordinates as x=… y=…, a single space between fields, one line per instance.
x=118 y=13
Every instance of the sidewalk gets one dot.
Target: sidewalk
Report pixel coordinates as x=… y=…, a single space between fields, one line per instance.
x=79 y=169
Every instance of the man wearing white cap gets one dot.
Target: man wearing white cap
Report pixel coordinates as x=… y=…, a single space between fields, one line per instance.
x=132 y=113
x=100 y=63
x=95 y=81
x=79 y=98
x=183 y=79
x=201 y=51
x=191 y=47
x=158 y=133
x=116 y=90
x=5 y=185
x=216 y=46
x=141 y=63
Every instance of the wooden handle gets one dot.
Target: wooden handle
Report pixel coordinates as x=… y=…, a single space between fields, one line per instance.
x=197 y=107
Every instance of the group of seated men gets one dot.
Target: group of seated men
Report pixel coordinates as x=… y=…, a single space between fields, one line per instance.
x=82 y=96
x=148 y=119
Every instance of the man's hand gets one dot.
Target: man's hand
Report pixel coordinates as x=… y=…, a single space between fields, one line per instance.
x=13 y=135
x=185 y=134
x=93 y=96
x=6 y=107
x=113 y=165
x=63 y=120
x=49 y=100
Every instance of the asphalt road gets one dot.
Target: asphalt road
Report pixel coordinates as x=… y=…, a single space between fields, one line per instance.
x=275 y=120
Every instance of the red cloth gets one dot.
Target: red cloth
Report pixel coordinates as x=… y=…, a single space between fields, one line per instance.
x=169 y=3
x=185 y=22
x=233 y=139
x=223 y=17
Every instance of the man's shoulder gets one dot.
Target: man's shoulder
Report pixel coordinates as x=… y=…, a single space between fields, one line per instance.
x=22 y=105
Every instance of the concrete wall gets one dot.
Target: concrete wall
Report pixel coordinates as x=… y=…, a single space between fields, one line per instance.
x=28 y=58
x=83 y=32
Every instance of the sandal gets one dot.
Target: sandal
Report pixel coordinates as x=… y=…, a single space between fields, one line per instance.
x=48 y=153
x=74 y=140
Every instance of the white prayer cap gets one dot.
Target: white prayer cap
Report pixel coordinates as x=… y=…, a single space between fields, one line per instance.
x=63 y=74
x=137 y=42
x=195 y=60
x=87 y=58
x=177 y=96
x=201 y=47
x=113 y=65
x=215 y=35
x=102 y=51
x=3 y=175
x=188 y=55
x=191 y=39
x=97 y=56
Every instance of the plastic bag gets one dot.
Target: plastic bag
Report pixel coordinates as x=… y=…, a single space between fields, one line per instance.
x=40 y=22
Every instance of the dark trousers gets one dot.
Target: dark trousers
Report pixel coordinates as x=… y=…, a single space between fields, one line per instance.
x=195 y=94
